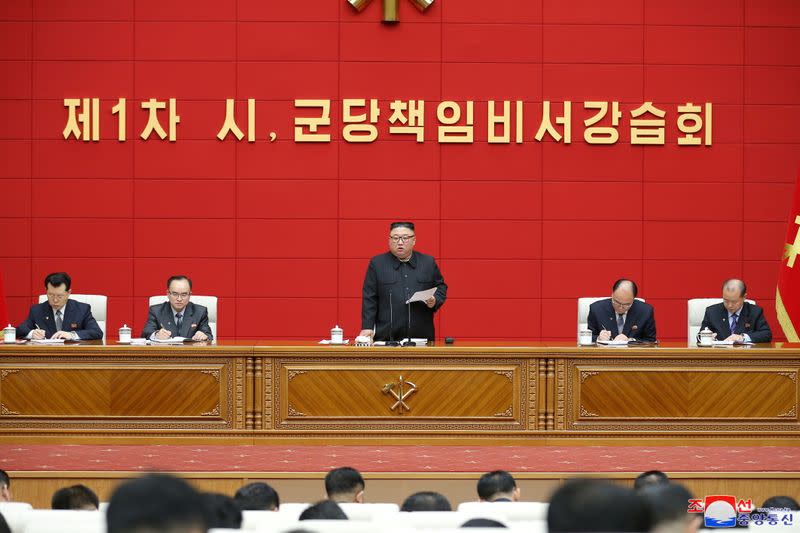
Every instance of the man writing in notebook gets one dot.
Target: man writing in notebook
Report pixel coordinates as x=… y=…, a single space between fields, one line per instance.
x=178 y=316
x=622 y=317
x=59 y=317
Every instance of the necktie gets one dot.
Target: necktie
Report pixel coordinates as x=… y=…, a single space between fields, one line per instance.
x=178 y=322
x=59 y=320
x=620 y=323
x=734 y=321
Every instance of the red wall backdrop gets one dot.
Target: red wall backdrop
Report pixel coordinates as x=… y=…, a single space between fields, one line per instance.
x=281 y=232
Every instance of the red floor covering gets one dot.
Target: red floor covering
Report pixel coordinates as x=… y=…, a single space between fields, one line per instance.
x=400 y=458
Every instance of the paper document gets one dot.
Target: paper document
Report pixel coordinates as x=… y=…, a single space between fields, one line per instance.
x=47 y=341
x=328 y=341
x=172 y=340
x=421 y=296
x=730 y=343
x=613 y=343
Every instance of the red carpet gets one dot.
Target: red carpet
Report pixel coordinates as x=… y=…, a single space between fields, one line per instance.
x=400 y=458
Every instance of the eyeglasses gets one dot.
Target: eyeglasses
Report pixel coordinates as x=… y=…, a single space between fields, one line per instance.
x=57 y=296
x=401 y=238
x=179 y=295
x=620 y=304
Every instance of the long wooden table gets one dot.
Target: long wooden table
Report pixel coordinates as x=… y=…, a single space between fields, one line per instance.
x=251 y=390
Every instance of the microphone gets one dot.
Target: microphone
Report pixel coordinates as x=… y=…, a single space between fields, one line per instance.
x=409 y=342
x=391 y=342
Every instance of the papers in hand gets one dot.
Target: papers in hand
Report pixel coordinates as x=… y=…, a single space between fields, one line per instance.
x=613 y=343
x=47 y=341
x=171 y=340
x=421 y=296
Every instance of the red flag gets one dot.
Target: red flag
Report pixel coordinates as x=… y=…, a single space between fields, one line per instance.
x=787 y=299
x=3 y=309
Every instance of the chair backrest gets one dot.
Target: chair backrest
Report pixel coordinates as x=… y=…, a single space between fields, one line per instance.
x=209 y=302
x=99 y=305
x=368 y=511
x=583 y=311
x=696 y=311
x=268 y=520
x=48 y=521
x=506 y=511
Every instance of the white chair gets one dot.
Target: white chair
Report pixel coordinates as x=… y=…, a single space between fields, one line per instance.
x=49 y=521
x=506 y=511
x=344 y=526
x=17 y=515
x=696 y=311
x=268 y=520
x=426 y=519
x=99 y=305
x=368 y=511
x=209 y=302
x=583 y=311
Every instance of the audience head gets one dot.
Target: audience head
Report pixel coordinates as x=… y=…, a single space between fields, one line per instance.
x=76 y=497
x=781 y=502
x=257 y=496
x=668 y=509
x=593 y=505
x=5 y=487
x=221 y=511
x=482 y=522
x=324 y=510
x=156 y=503
x=498 y=485
x=426 y=501
x=649 y=478
x=345 y=485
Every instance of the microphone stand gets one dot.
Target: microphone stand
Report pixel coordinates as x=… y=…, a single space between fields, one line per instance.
x=408 y=341
x=391 y=341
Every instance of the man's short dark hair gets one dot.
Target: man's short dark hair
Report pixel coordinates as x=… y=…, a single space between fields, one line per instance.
x=56 y=279
x=668 y=503
x=426 y=501
x=76 y=497
x=257 y=496
x=178 y=278
x=344 y=480
x=395 y=225
x=5 y=479
x=581 y=505
x=781 y=502
x=324 y=510
x=222 y=511
x=620 y=281
x=155 y=503
x=482 y=522
x=494 y=483
x=651 y=477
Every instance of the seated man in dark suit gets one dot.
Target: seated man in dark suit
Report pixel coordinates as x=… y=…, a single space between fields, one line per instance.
x=178 y=317
x=622 y=317
x=498 y=486
x=59 y=317
x=734 y=319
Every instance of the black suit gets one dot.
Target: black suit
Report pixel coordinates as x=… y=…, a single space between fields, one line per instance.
x=389 y=279
x=640 y=321
x=195 y=318
x=76 y=316
x=751 y=321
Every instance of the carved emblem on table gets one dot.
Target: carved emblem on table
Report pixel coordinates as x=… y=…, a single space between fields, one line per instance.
x=586 y=374
x=7 y=371
x=213 y=412
x=404 y=390
x=790 y=413
x=213 y=373
x=507 y=373
x=586 y=413
x=291 y=374
x=5 y=410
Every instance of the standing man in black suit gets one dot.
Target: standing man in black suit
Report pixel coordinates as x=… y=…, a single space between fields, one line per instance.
x=391 y=279
x=622 y=317
x=178 y=316
x=735 y=319
x=59 y=317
